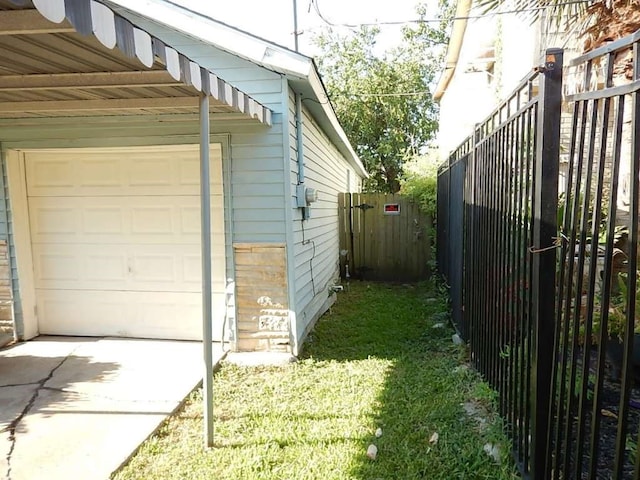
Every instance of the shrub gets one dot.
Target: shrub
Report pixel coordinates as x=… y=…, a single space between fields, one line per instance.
x=420 y=184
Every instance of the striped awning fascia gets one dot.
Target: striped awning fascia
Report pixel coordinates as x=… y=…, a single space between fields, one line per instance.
x=90 y=17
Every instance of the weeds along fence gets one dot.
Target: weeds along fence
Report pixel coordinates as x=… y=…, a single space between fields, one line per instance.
x=537 y=239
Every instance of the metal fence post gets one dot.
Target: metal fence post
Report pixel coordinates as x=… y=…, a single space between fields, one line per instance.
x=468 y=233
x=449 y=220
x=545 y=206
x=440 y=209
x=442 y=221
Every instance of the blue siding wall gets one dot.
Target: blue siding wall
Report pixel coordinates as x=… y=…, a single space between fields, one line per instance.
x=316 y=248
x=255 y=152
x=5 y=234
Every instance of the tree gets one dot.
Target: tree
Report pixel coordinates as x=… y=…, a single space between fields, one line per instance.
x=383 y=101
x=596 y=21
x=420 y=182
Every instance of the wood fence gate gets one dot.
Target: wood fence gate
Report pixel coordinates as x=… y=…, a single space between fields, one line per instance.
x=383 y=237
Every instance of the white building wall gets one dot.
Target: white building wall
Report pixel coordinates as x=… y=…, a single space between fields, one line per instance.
x=469 y=99
x=316 y=248
x=496 y=54
x=518 y=52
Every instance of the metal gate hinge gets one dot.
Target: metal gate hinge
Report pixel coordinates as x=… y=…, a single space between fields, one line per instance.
x=363 y=206
x=549 y=64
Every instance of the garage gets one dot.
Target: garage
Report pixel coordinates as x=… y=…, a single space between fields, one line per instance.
x=110 y=239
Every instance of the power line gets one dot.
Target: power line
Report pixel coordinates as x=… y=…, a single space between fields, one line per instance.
x=314 y=3
x=399 y=94
x=370 y=95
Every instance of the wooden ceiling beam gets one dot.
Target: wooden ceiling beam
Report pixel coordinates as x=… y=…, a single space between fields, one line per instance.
x=106 y=104
x=30 y=22
x=66 y=81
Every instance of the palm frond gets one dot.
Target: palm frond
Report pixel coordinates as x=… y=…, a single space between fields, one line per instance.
x=598 y=21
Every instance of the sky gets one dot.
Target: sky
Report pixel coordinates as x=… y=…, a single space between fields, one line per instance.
x=273 y=19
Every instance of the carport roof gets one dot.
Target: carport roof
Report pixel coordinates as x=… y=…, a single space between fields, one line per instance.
x=65 y=58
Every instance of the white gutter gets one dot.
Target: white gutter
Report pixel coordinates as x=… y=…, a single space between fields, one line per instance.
x=453 y=49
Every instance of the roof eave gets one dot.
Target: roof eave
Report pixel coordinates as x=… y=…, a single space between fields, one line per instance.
x=296 y=67
x=225 y=37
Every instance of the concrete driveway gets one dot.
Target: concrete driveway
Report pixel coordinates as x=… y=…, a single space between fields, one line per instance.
x=77 y=408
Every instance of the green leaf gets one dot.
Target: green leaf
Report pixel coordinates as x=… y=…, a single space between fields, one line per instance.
x=383 y=100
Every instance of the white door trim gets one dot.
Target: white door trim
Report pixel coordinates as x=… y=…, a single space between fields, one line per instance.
x=17 y=182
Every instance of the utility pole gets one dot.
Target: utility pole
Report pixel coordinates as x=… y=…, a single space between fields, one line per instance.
x=295 y=25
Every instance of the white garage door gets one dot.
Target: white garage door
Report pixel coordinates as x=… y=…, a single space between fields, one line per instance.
x=115 y=241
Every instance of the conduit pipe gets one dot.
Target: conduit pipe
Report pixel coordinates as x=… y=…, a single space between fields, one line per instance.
x=299 y=139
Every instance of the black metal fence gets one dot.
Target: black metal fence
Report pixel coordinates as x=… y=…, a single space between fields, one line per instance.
x=538 y=242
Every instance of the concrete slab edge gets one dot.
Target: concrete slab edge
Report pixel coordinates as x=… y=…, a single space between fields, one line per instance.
x=178 y=407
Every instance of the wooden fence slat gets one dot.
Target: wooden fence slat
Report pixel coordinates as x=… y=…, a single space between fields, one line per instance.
x=407 y=249
x=343 y=233
x=379 y=246
x=349 y=225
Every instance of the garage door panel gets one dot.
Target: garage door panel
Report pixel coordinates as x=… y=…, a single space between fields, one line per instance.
x=145 y=171
x=53 y=266
x=166 y=268
x=97 y=219
x=158 y=268
x=115 y=241
x=61 y=220
x=102 y=268
x=101 y=173
x=157 y=172
x=120 y=220
x=153 y=220
x=126 y=314
x=49 y=173
x=190 y=217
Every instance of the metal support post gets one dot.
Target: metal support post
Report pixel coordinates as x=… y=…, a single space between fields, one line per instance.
x=545 y=207
x=205 y=210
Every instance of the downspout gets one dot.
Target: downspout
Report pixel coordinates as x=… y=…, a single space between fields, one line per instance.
x=298 y=115
x=300 y=162
x=300 y=188
x=299 y=141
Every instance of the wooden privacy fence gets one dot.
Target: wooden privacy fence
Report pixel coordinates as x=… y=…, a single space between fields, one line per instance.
x=383 y=237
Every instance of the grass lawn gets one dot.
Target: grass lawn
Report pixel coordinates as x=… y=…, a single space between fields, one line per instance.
x=376 y=361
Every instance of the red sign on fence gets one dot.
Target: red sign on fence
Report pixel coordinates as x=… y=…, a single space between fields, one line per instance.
x=392 y=209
